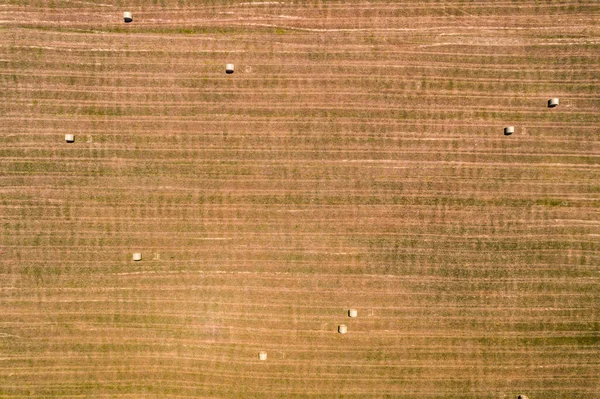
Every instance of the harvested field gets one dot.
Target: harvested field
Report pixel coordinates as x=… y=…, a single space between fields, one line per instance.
x=354 y=160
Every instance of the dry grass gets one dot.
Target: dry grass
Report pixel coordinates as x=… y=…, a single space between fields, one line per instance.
x=356 y=158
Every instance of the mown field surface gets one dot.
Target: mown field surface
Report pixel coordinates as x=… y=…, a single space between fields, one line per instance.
x=355 y=159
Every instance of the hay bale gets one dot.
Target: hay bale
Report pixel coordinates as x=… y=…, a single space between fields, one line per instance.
x=342 y=329
x=522 y=397
x=127 y=17
x=508 y=130
x=229 y=68
x=553 y=102
x=352 y=313
x=262 y=355
x=137 y=256
x=69 y=138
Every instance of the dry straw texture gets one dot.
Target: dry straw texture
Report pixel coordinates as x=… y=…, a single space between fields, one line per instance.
x=357 y=155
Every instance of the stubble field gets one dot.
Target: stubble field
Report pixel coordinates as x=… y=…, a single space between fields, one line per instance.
x=355 y=159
